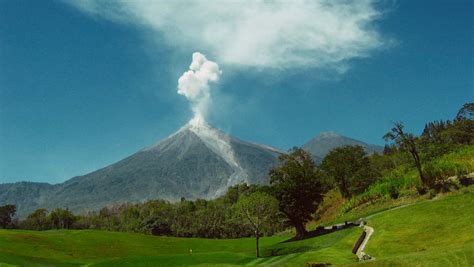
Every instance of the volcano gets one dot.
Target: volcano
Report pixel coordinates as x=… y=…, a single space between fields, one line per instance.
x=198 y=161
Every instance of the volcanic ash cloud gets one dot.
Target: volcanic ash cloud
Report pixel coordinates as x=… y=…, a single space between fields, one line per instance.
x=194 y=84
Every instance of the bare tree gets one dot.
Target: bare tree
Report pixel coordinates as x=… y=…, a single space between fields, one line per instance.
x=407 y=142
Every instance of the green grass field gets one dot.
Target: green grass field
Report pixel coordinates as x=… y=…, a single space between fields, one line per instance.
x=439 y=232
x=436 y=232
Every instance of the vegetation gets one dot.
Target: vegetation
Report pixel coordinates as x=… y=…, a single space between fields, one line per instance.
x=200 y=218
x=350 y=168
x=466 y=112
x=407 y=142
x=402 y=181
x=259 y=210
x=403 y=236
x=299 y=187
x=6 y=214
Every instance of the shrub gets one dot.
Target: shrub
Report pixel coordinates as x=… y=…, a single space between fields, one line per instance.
x=393 y=191
x=421 y=189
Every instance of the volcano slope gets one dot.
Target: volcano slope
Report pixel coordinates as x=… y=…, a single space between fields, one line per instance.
x=198 y=161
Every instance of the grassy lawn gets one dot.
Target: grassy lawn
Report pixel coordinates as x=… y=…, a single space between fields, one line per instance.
x=438 y=232
x=80 y=247
x=431 y=233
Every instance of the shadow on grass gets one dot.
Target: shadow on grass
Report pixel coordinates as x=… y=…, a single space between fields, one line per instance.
x=294 y=245
x=322 y=231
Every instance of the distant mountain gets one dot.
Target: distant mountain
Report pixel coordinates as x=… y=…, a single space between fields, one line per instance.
x=198 y=161
x=25 y=195
x=322 y=144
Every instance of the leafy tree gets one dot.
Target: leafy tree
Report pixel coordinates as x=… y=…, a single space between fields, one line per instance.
x=466 y=112
x=156 y=216
x=61 y=218
x=38 y=219
x=448 y=133
x=258 y=210
x=299 y=187
x=183 y=218
x=381 y=164
x=459 y=132
x=210 y=217
x=234 y=192
x=6 y=214
x=441 y=137
x=351 y=169
x=408 y=142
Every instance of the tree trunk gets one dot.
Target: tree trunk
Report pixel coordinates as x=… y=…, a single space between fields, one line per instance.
x=344 y=191
x=257 y=236
x=416 y=157
x=300 y=230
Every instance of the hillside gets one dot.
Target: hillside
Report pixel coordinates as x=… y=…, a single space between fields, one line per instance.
x=430 y=232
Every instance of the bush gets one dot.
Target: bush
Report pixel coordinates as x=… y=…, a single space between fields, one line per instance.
x=458 y=163
x=437 y=172
x=393 y=191
x=421 y=189
x=466 y=181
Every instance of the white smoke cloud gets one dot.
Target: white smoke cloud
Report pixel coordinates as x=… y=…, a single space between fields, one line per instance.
x=258 y=33
x=194 y=84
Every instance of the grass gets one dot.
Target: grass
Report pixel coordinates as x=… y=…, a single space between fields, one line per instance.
x=430 y=233
x=102 y=248
x=435 y=232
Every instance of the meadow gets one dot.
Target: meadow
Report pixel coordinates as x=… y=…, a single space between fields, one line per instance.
x=436 y=232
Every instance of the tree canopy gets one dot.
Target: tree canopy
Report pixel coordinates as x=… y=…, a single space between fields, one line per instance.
x=299 y=187
x=6 y=215
x=350 y=168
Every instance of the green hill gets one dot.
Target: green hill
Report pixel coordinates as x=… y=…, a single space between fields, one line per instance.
x=433 y=232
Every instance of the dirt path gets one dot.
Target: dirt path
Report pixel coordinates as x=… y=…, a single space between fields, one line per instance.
x=360 y=252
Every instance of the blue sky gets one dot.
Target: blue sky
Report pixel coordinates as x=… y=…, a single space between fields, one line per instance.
x=80 y=89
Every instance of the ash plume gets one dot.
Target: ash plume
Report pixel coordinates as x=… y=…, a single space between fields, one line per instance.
x=194 y=84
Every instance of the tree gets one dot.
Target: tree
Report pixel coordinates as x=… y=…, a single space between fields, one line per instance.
x=157 y=215
x=183 y=219
x=209 y=218
x=38 y=219
x=466 y=112
x=350 y=167
x=299 y=187
x=406 y=141
x=233 y=192
x=61 y=218
x=258 y=210
x=6 y=214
